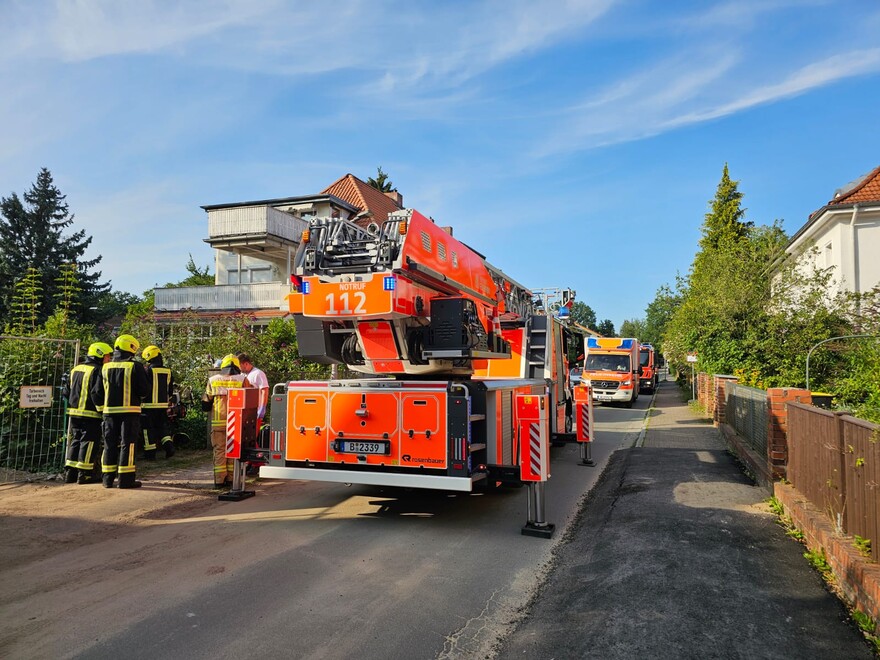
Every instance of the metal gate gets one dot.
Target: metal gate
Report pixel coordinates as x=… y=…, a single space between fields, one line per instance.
x=33 y=425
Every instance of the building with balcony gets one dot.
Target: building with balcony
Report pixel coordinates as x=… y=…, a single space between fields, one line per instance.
x=254 y=245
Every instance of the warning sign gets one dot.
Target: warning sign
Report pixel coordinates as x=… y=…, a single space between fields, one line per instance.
x=36 y=396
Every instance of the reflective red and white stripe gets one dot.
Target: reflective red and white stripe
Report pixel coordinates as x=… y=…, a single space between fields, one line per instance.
x=535 y=454
x=230 y=434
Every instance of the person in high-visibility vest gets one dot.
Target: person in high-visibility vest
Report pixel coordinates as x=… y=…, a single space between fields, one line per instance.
x=154 y=409
x=216 y=392
x=120 y=390
x=84 y=442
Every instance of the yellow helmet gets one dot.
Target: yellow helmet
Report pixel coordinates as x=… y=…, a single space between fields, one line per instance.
x=151 y=352
x=99 y=349
x=127 y=343
x=230 y=359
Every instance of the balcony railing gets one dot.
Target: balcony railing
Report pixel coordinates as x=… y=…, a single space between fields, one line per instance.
x=264 y=295
x=254 y=221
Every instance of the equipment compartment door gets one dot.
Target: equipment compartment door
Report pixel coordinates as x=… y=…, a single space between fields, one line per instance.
x=365 y=415
x=307 y=433
x=423 y=430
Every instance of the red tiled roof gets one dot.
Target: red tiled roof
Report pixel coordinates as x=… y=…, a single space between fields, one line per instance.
x=362 y=195
x=868 y=190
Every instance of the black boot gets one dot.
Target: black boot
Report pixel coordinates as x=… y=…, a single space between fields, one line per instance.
x=149 y=454
x=127 y=480
x=108 y=479
x=70 y=475
x=169 y=449
x=85 y=478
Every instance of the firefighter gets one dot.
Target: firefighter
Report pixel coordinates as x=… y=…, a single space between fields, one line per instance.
x=154 y=409
x=120 y=390
x=230 y=377
x=85 y=417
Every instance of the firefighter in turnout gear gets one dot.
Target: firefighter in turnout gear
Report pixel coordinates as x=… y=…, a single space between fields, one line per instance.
x=230 y=377
x=84 y=443
x=120 y=390
x=154 y=409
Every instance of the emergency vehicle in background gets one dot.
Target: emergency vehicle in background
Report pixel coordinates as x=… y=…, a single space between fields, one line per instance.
x=465 y=379
x=611 y=366
x=648 y=368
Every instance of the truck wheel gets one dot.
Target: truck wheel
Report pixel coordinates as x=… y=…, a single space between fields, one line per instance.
x=629 y=404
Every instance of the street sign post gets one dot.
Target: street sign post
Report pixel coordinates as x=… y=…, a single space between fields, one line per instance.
x=692 y=358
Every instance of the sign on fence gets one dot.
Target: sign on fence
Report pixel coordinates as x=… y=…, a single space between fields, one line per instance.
x=36 y=396
x=33 y=424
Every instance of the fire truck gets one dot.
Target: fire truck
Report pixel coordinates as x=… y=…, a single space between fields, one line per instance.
x=612 y=369
x=463 y=373
x=648 y=366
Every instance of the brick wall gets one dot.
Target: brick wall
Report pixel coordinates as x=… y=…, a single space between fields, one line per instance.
x=778 y=399
x=720 y=396
x=706 y=393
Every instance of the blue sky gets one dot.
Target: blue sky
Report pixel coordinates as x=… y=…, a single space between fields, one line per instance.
x=575 y=143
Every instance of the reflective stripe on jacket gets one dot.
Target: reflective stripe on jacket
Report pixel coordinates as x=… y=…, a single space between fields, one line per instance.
x=124 y=385
x=80 y=405
x=160 y=381
x=218 y=387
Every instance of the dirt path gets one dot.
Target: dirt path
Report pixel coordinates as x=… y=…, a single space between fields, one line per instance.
x=78 y=563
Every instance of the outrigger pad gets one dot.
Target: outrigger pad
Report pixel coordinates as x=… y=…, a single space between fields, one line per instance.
x=236 y=496
x=542 y=531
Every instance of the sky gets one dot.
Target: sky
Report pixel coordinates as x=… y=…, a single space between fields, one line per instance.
x=575 y=143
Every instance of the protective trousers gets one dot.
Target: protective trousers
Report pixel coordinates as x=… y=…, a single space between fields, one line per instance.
x=155 y=422
x=121 y=432
x=83 y=448
x=223 y=468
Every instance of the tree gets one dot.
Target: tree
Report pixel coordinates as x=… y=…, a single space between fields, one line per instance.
x=381 y=182
x=197 y=276
x=32 y=236
x=724 y=223
x=633 y=328
x=583 y=314
x=657 y=315
x=606 y=328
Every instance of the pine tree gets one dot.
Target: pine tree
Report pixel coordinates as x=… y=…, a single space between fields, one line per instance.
x=381 y=182
x=724 y=223
x=32 y=235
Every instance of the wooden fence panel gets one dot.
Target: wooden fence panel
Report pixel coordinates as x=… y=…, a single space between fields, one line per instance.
x=814 y=458
x=861 y=444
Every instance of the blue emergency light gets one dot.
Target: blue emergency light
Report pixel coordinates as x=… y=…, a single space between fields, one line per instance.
x=389 y=283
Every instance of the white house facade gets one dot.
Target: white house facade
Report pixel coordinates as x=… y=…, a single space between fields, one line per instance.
x=846 y=236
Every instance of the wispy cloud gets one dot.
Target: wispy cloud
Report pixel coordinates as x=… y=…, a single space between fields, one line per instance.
x=687 y=91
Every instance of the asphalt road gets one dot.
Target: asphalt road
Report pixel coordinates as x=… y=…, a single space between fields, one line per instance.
x=340 y=572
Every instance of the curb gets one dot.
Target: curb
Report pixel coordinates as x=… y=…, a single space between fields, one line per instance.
x=640 y=441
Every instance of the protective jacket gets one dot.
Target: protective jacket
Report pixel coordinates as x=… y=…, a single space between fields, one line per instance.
x=161 y=384
x=123 y=385
x=82 y=379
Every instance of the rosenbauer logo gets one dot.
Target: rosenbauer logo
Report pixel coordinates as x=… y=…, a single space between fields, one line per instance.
x=406 y=458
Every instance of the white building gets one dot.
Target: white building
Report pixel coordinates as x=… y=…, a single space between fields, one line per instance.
x=254 y=243
x=846 y=235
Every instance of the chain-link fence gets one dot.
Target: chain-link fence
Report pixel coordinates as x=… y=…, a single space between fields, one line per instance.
x=33 y=425
x=747 y=413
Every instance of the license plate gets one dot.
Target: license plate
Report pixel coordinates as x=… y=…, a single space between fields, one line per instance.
x=604 y=397
x=362 y=447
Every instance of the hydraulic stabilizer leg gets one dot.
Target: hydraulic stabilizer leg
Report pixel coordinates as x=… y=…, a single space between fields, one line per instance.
x=587 y=455
x=237 y=492
x=537 y=524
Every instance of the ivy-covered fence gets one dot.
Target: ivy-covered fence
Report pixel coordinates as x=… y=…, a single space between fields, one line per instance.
x=33 y=425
